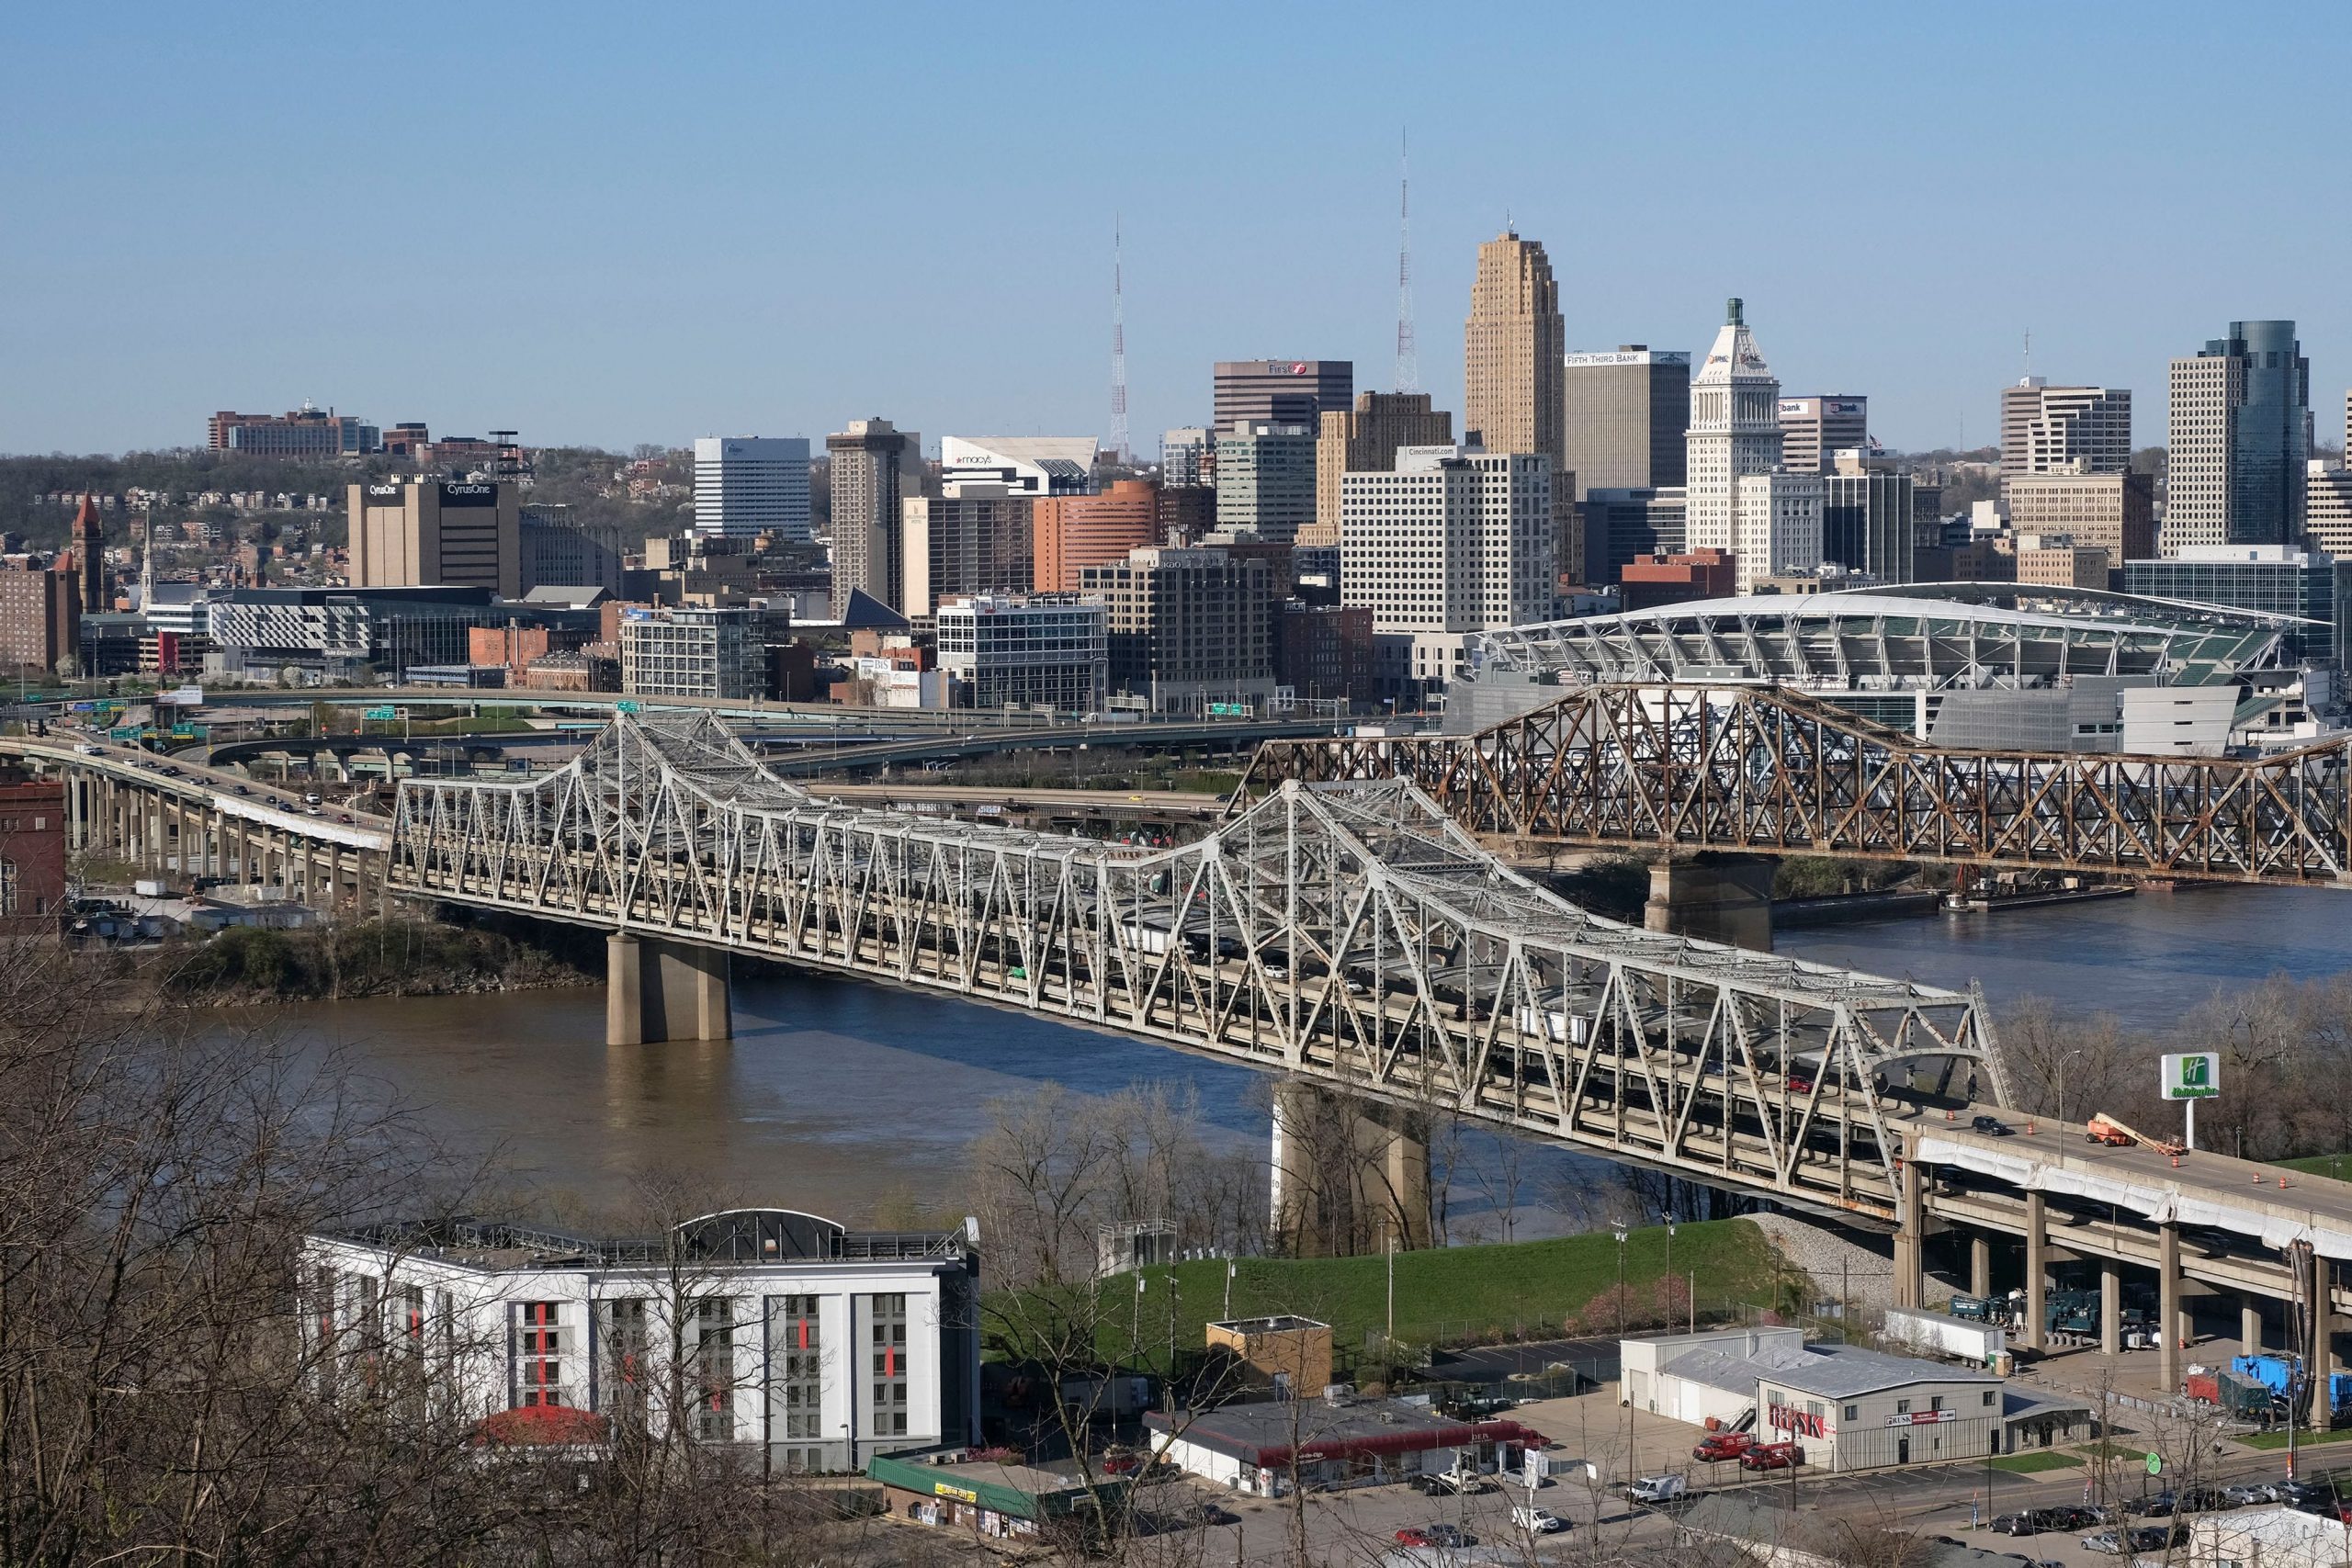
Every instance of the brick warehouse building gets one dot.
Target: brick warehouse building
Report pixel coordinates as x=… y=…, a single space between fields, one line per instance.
x=32 y=856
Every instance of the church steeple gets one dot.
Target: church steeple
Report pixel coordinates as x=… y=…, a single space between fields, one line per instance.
x=90 y=555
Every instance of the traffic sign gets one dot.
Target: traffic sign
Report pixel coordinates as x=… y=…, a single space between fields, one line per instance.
x=383 y=713
x=2155 y=1464
x=626 y=707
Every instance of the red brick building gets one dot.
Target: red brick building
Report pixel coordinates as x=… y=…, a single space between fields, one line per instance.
x=1324 y=650
x=41 y=616
x=32 y=856
x=1070 y=533
x=1649 y=581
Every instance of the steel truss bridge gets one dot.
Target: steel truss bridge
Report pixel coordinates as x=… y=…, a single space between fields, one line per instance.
x=1760 y=768
x=1350 y=935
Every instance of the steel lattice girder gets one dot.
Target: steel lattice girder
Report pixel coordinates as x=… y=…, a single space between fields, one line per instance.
x=1761 y=768
x=1351 y=934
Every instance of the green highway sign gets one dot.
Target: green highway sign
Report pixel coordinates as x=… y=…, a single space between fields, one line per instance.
x=379 y=713
x=625 y=705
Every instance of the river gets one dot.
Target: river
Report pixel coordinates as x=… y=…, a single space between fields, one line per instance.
x=838 y=1096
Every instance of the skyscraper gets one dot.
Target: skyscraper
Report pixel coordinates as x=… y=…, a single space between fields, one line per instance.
x=1280 y=392
x=875 y=467
x=2239 y=437
x=748 y=485
x=1742 y=499
x=1624 y=414
x=2062 y=429
x=1450 y=541
x=1365 y=440
x=1265 y=479
x=1513 y=349
x=1814 y=430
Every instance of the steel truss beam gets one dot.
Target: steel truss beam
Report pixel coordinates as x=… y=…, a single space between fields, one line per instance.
x=1353 y=935
x=1766 y=768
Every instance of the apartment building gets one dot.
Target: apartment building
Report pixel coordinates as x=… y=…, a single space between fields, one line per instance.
x=1190 y=630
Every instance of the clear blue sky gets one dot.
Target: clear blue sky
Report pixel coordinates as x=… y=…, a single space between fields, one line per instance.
x=619 y=223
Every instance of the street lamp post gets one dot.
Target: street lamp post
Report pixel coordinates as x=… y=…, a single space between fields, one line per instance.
x=1618 y=1229
x=1668 y=1218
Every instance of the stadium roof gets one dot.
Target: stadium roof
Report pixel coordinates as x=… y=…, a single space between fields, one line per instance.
x=1932 y=636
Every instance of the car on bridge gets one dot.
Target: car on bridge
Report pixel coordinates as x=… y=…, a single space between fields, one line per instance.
x=1991 y=1126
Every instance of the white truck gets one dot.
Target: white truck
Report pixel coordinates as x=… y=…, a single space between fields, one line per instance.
x=1979 y=1344
x=1658 y=1489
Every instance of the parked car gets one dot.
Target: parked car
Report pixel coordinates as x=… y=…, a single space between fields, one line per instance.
x=1435 y=1535
x=2244 y=1495
x=2156 y=1538
x=2016 y=1524
x=2156 y=1504
x=1538 y=1522
x=1659 y=1489
x=2107 y=1541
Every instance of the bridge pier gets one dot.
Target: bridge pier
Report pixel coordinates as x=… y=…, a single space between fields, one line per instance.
x=1980 y=1265
x=1910 y=1239
x=1349 y=1176
x=2170 y=1318
x=2318 y=1349
x=657 y=990
x=2110 y=1307
x=1715 y=898
x=2037 y=1272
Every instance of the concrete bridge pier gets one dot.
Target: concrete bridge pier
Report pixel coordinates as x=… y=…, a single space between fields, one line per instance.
x=1980 y=1265
x=657 y=990
x=1713 y=896
x=1349 y=1176
x=1910 y=1239
x=2037 y=1272
x=2110 y=1307
x=2172 y=1316
x=2319 y=1349
x=2249 y=1328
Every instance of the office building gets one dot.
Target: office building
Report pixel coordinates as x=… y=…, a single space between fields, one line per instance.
x=33 y=883
x=1039 y=651
x=306 y=432
x=1741 y=500
x=1279 y=392
x=1324 y=651
x=2327 y=508
x=342 y=633
x=90 y=557
x=1814 y=430
x=1187 y=513
x=2064 y=430
x=560 y=550
x=1452 y=541
x=875 y=467
x=1514 y=349
x=750 y=485
x=1265 y=479
x=1023 y=465
x=1624 y=525
x=1365 y=439
x=1074 y=532
x=2114 y=511
x=423 y=533
x=2053 y=561
x=828 y=1345
x=1626 y=412
x=1866 y=517
x=692 y=651
x=1187 y=628
x=2274 y=579
x=973 y=539
x=2239 y=438
x=1187 y=457
x=41 y=616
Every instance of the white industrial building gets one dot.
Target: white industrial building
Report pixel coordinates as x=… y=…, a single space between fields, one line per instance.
x=1845 y=1408
x=828 y=1345
x=1028 y=650
x=2269 y=1537
x=748 y=485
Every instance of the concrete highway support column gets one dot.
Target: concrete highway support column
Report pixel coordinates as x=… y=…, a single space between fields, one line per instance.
x=2250 y=1326
x=1980 y=1265
x=1714 y=897
x=1910 y=1237
x=2111 y=1307
x=2171 y=1318
x=2318 y=1351
x=657 y=990
x=2037 y=1272
x=1350 y=1178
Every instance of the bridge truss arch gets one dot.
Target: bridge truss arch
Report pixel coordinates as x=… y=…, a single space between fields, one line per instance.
x=1349 y=934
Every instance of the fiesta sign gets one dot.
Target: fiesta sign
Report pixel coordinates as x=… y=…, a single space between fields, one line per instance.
x=1797 y=1422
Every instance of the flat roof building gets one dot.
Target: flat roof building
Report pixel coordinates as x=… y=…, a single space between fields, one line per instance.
x=1365 y=439
x=875 y=467
x=1187 y=628
x=2064 y=430
x=1452 y=541
x=1074 y=532
x=1625 y=412
x=2239 y=437
x=694 y=651
x=1265 y=479
x=424 y=533
x=2311 y=593
x=750 y=485
x=1814 y=430
x=1023 y=465
x=1335 y=1443
x=2116 y=512
x=1279 y=392
x=1036 y=651
x=973 y=539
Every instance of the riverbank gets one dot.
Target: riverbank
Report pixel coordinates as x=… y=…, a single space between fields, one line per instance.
x=246 y=965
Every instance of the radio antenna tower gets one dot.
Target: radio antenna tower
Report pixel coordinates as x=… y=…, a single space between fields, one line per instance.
x=1118 y=349
x=1408 y=358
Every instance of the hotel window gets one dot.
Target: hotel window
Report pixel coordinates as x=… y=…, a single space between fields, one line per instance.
x=801 y=1359
x=889 y=1351
x=711 y=1353
x=625 y=1343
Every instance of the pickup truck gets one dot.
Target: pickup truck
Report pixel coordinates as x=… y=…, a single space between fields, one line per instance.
x=1538 y=1522
x=1716 y=1447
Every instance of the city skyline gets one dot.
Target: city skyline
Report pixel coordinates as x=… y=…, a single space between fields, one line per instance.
x=559 y=290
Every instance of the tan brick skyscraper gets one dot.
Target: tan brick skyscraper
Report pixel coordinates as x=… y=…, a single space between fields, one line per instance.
x=1513 y=351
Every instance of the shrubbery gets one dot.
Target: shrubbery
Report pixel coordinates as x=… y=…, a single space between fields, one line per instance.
x=369 y=958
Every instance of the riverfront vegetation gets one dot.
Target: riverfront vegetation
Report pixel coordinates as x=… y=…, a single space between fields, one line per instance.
x=377 y=958
x=1444 y=1296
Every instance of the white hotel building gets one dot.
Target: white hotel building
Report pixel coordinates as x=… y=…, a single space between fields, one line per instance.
x=828 y=1345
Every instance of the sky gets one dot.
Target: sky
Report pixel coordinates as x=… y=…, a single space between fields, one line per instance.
x=610 y=224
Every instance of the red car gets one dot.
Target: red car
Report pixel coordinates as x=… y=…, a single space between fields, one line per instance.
x=1771 y=1456
x=1716 y=1447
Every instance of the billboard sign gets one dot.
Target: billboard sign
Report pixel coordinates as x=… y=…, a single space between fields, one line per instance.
x=2192 y=1075
x=469 y=495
